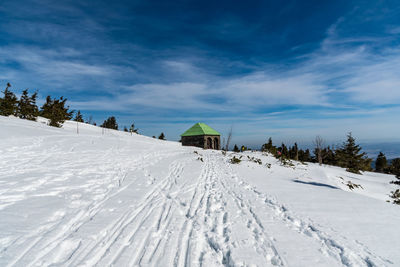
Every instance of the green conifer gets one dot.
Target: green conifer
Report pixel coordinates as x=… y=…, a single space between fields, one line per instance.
x=8 y=105
x=110 y=123
x=381 y=163
x=78 y=116
x=269 y=147
x=56 y=111
x=395 y=167
x=236 y=148
x=295 y=152
x=161 y=136
x=328 y=156
x=27 y=108
x=349 y=156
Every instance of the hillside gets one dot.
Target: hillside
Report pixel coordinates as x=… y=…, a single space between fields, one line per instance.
x=109 y=198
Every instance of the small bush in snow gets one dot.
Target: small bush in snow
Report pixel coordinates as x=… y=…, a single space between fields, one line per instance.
x=352 y=186
x=235 y=160
x=396 y=196
x=286 y=163
x=256 y=160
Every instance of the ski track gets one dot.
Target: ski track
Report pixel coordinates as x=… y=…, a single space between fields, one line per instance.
x=359 y=255
x=44 y=239
x=162 y=229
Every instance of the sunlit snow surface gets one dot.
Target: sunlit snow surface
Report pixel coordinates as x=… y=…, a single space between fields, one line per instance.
x=112 y=199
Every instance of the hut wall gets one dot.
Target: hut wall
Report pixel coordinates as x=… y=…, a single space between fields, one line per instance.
x=202 y=141
x=193 y=141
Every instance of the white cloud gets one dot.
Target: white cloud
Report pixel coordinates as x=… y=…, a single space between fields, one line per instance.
x=53 y=64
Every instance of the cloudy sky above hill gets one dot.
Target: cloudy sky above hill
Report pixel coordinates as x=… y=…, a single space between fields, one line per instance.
x=286 y=69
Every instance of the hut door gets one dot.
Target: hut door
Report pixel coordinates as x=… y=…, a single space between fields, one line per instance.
x=215 y=143
x=209 y=142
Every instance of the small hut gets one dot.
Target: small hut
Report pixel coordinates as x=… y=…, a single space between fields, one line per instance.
x=201 y=135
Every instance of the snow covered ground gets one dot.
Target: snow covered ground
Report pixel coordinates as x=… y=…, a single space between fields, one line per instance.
x=112 y=199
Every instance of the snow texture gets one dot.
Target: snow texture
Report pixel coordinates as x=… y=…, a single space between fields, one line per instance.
x=109 y=198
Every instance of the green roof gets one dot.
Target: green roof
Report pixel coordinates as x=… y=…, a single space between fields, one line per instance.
x=200 y=129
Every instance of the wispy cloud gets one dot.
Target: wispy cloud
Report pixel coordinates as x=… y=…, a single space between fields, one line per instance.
x=294 y=77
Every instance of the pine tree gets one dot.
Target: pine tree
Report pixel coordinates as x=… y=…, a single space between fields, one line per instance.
x=78 y=117
x=125 y=129
x=236 y=148
x=301 y=155
x=349 y=156
x=110 y=123
x=161 y=136
x=305 y=156
x=269 y=147
x=328 y=156
x=395 y=167
x=284 y=150
x=381 y=163
x=295 y=152
x=27 y=108
x=8 y=105
x=56 y=111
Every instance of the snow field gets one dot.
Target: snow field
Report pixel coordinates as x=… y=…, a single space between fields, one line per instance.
x=114 y=199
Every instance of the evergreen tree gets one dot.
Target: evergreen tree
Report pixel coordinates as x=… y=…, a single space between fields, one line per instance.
x=305 y=156
x=78 y=117
x=110 y=123
x=349 y=156
x=284 y=150
x=236 y=148
x=269 y=147
x=381 y=163
x=395 y=167
x=161 y=136
x=328 y=156
x=125 y=129
x=8 y=105
x=27 y=108
x=295 y=152
x=302 y=155
x=56 y=111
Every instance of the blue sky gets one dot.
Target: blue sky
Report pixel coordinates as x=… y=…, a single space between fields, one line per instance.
x=287 y=69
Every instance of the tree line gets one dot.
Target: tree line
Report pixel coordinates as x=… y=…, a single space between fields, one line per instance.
x=25 y=107
x=55 y=110
x=348 y=155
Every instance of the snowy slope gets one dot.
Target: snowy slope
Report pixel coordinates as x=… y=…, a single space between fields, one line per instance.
x=112 y=199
